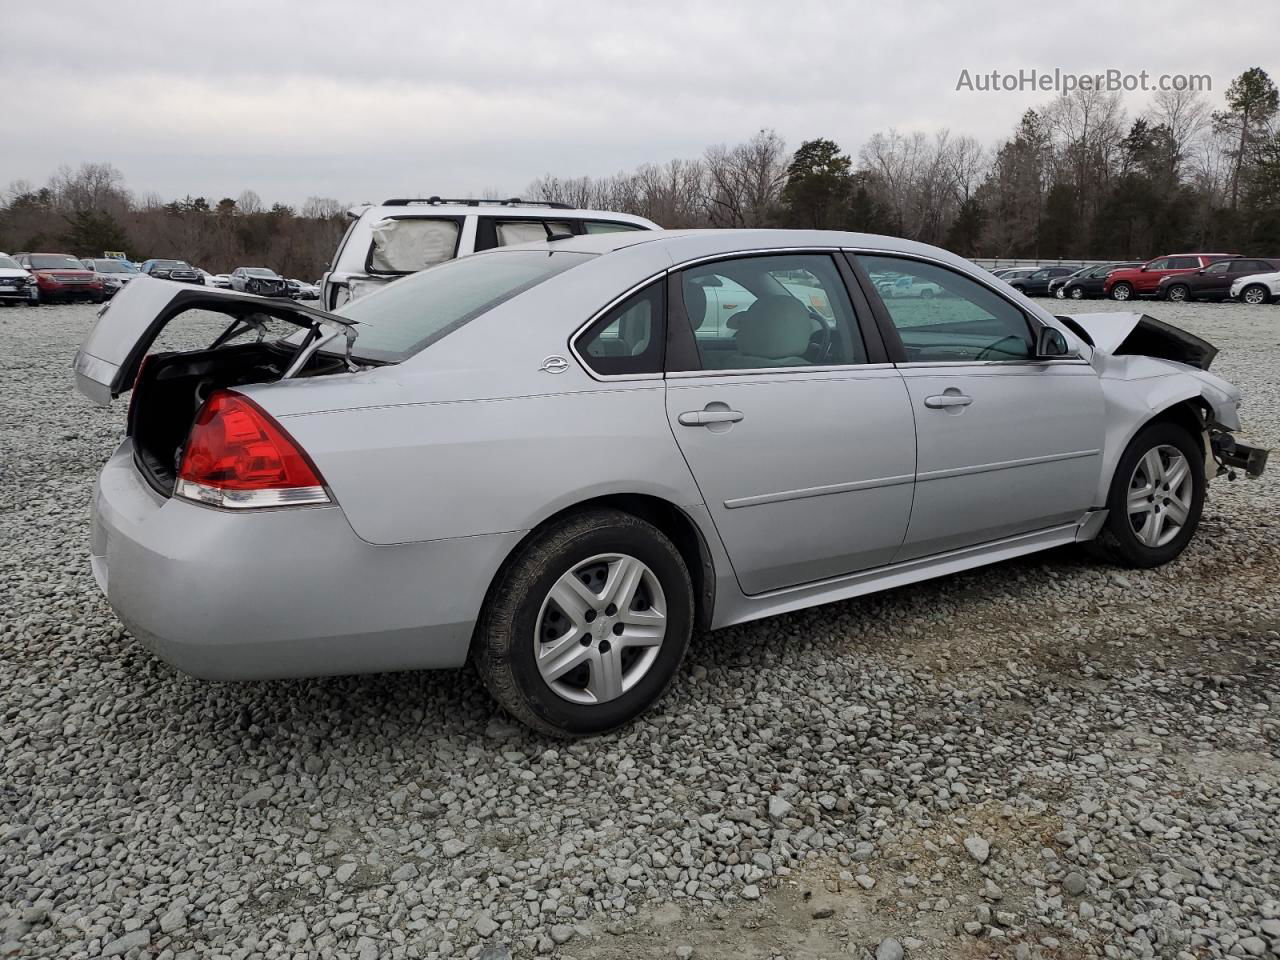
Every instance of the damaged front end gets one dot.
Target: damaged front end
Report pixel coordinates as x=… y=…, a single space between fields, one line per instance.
x=1170 y=366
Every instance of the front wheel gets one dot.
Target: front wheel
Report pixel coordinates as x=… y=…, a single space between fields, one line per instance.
x=586 y=626
x=1122 y=291
x=1177 y=293
x=1156 y=498
x=1254 y=294
x=1077 y=293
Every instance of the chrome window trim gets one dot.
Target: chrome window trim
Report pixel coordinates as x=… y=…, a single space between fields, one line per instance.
x=738 y=254
x=769 y=371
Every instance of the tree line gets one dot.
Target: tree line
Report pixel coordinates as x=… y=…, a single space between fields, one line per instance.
x=1075 y=178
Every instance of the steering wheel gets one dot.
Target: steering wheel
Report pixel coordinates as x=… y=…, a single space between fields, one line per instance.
x=820 y=341
x=984 y=353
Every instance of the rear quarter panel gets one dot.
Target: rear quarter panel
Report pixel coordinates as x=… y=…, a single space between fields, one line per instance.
x=428 y=471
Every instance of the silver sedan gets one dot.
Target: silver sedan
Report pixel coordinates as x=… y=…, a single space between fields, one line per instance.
x=558 y=460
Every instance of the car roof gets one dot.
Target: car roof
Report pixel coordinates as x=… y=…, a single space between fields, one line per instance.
x=504 y=210
x=684 y=245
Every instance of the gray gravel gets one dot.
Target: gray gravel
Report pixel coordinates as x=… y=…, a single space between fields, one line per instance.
x=1045 y=759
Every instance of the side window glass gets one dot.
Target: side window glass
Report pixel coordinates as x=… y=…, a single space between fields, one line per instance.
x=771 y=311
x=1183 y=263
x=1159 y=264
x=944 y=317
x=410 y=244
x=1217 y=267
x=604 y=226
x=629 y=339
x=523 y=231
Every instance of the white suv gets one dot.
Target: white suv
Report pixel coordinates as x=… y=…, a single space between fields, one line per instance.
x=400 y=237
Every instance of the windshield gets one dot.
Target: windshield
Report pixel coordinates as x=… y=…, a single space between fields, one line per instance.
x=112 y=266
x=8 y=263
x=259 y=272
x=170 y=265
x=411 y=314
x=54 y=261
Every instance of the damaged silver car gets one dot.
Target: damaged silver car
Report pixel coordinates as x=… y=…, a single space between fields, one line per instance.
x=557 y=460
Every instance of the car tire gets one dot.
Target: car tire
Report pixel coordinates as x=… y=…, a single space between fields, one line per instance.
x=926 y=294
x=1255 y=294
x=1122 y=291
x=1077 y=293
x=523 y=622
x=1059 y=293
x=1178 y=293
x=1144 y=531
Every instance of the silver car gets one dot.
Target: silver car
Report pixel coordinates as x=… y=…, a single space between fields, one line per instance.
x=546 y=460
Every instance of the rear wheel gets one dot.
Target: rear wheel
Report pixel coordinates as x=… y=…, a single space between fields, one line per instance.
x=1122 y=291
x=1255 y=294
x=586 y=626
x=1156 y=498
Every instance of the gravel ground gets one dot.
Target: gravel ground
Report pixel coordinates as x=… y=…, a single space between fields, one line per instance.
x=1048 y=758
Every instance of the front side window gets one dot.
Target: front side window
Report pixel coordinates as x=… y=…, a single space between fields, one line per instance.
x=1218 y=267
x=523 y=231
x=629 y=339
x=401 y=318
x=962 y=322
x=410 y=244
x=771 y=311
x=1161 y=264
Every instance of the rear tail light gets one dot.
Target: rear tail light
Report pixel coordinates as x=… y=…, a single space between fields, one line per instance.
x=237 y=456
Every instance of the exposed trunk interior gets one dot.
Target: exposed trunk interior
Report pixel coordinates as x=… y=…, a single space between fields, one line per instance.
x=172 y=386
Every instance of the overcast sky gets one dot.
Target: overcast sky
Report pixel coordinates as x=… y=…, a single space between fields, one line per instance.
x=361 y=101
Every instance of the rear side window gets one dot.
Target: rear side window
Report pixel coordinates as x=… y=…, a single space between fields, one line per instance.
x=1183 y=263
x=409 y=244
x=629 y=339
x=607 y=226
x=523 y=231
x=409 y=315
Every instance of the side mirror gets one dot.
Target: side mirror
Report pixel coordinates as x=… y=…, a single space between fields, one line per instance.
x=1051 y=344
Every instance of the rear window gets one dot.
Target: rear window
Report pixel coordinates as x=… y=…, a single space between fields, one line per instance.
x=411 y=314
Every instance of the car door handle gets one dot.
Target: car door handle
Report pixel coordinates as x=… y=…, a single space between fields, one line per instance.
x=702 y=418
x=944 y=400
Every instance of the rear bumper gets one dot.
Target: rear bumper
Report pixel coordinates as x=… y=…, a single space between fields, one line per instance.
x=280 y=593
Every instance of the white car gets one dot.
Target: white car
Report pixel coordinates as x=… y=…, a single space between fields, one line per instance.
x=17 y=285
x=906 y=286
x=400 y=237
x=1256 y=288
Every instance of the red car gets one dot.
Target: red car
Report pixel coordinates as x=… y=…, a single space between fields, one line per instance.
x=1144 y=281
x=60 y=276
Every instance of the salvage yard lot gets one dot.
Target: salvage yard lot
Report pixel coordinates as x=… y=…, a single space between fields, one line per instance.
x=1107 y=741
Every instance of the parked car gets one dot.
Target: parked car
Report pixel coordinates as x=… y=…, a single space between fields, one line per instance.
x=113 y=273
x=301 y=290
x=906 y=286
x=1014 y=273
x=1037 y=284
x=17 y=284
x=1144 y=281
x=1256 y=288
x=1088 y=283
x=402 y=236
x=262 y=281
x=531 y=458
x=1212 y=282
x=60 y=277
x=177 y=270
x=222 y=280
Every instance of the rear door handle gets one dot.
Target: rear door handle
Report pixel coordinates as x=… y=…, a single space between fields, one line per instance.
x=944 y=400
x=702 y=418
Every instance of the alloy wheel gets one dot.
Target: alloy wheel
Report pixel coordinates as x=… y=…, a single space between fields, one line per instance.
x=1254 y=296
x=1161 y=493
x=1077 y=293
x=600 y=628
x=1177 y=293
x=1121 y=291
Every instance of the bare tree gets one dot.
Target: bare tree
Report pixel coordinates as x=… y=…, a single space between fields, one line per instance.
x=744 y=183
x=1185 y=113
x=249 y=202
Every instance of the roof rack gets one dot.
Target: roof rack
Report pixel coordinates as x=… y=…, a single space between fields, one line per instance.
x=473 y=202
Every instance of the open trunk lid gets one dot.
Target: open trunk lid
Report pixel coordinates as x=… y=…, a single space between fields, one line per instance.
x=107 y=363
x=1136 y=334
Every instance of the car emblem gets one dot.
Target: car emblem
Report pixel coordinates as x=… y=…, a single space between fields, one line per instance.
x=554 y=364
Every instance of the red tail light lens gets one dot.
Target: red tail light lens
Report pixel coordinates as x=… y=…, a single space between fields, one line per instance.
x=238 y=456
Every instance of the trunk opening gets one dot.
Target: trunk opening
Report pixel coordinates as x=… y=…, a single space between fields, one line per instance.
x=172 y=387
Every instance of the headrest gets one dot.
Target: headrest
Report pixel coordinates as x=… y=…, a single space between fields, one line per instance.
x=774 y=327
